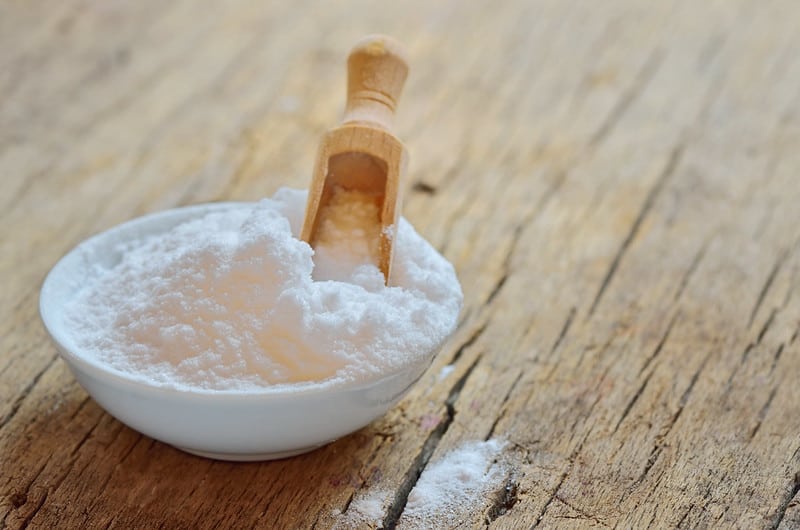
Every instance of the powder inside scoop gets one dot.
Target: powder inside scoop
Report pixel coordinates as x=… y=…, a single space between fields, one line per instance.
x=348 y=236
x=230 y=301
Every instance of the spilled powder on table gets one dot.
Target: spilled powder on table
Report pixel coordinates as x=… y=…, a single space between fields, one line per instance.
x=366 y=509
x=446 y=495
x=448 y=491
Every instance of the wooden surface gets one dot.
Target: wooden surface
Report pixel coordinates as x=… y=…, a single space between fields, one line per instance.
x=616 y=183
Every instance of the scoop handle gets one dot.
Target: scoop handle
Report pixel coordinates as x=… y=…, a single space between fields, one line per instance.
x=376 y=71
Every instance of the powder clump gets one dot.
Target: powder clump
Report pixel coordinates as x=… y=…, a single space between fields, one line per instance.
x=448 y=490
x=228 y=302
x=365 y=510
x=448 y=493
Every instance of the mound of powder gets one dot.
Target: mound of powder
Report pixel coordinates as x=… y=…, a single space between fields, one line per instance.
x=448 y=490
x=228 y=302
x=366 y=509
x=448 y=494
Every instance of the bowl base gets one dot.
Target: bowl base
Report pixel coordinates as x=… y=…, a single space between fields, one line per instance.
x=248 y=457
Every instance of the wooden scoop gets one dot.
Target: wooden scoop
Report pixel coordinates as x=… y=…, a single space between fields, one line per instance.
x=362 y=154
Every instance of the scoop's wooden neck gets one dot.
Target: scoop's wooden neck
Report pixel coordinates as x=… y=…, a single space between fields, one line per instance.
x=376 y=71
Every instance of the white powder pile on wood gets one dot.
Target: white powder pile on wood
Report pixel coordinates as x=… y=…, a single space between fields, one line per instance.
x=366 y=510
x=449 y=490
x=348 y=237
x=228 y=302
x=447 y=494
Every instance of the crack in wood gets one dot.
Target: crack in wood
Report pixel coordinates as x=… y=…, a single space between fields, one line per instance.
x=581 y=514
x=59 y=480
x=26 y=493
x=683 y=517
x=766 y=326
x=590 y=410
x=420 y=186
x=472 y=339
x=497 y=287
x=85 y=437
x=763 y=412
x=315 y=522
x=504 y=500
x=722 y=513
x=640 y=82
x=503 y=409
x=506 y=267
x=25 y=304
x=745 y=354
x=517 y=234
x=550 y=499
x=658 y=446
x=603 y=349
x=791 y=492
x=776 y=357
x=363 y=479
x=698 y=257
x=660 y=346
x=111 y=522
x=419 y=463
x=121 y=459
x=767 y=285
x=649 y=202
x=750 y=347
x=632 y=401
x=17 y=403
x=567 y=471
x=85 y=401
x=28 y=518
x=564 y=329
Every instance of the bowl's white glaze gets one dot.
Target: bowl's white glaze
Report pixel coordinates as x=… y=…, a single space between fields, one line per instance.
x=228 y=425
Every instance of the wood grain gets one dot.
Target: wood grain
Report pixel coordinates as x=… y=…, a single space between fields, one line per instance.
x=616 y=183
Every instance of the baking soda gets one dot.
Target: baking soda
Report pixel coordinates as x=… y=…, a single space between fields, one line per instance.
x=231 y=302
x=447 y=495
x=448 y=490
x=366 y=509
x=348 y=236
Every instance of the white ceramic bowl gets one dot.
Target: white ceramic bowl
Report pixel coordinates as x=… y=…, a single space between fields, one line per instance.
x=227 y=425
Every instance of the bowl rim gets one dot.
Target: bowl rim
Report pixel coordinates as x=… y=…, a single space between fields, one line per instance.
x=108 y=373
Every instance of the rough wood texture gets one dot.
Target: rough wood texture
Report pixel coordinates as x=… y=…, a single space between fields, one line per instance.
x=616 y=183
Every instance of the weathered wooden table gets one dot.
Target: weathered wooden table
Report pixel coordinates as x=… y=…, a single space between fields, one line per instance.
x=617 y=184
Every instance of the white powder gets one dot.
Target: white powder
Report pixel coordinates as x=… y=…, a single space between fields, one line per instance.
x=227 y=302
x=348 y=237
x=448 y=490
x=446 y=371
x=366 y=509
x=447 y=494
